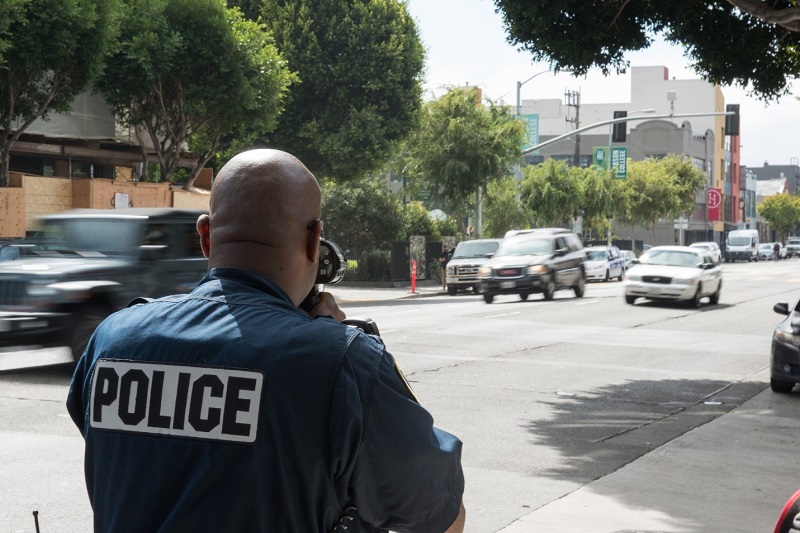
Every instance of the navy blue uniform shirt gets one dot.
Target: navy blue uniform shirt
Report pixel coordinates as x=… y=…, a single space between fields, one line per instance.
x=228 y=409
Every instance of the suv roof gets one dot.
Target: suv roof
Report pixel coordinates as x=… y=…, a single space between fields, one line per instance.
x=132 y=212
x=551 y=231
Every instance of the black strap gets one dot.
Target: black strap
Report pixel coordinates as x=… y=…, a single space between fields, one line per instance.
x=139 y=300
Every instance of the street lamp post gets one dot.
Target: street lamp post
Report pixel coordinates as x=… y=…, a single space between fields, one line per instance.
x=521 y=83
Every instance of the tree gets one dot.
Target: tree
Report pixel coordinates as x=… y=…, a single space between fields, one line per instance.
x=503 y=211
x=461 y=145
x=360 y=66
x=552 y=191
x=50 y=51
x=782 y=212
x=264 y=87
x=11 y=12
x=192 y=69
x=686 y=181
x=361 y=216
x=603 y=200
x=577 y=35
x=417 y=221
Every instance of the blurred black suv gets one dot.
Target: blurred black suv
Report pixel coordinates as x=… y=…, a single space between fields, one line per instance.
x=85 y=264
x=536 y=261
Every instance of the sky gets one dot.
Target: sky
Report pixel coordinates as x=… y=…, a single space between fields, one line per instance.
x=466 y=45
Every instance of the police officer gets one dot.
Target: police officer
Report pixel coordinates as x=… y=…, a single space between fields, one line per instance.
x=230 y=409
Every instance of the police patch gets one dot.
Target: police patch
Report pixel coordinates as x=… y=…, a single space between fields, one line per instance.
x=185 y=401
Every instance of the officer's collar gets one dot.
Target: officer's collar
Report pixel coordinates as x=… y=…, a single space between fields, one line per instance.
x=249 y=278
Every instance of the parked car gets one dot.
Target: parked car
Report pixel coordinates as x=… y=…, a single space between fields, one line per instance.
x=679 y=273
x=604 y=263
x=792 y=246
x=785 y=353
x=629 y=256
x=462 y=270
x=712 y=248
x=765 y=250
x=89 y=263
x=542 y=261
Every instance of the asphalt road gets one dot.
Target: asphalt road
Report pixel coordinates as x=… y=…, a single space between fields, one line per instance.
x=547 y=396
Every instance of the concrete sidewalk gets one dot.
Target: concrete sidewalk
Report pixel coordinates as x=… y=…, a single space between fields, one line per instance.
x=733 y=474
x=350 y=295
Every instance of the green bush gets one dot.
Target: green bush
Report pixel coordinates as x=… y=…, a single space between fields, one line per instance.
x=375 y=265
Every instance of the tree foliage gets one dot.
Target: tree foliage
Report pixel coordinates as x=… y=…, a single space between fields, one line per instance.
x=50 y=51
x=782 y=213
x=603 y=199
x=360 y=66
x=577 y=35
x=417 y=221
x=552 y=191
x=192 y=68
x=461 y=145
x=361 y=216
x=502 y=209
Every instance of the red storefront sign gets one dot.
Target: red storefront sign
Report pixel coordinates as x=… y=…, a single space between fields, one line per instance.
x=714 y=200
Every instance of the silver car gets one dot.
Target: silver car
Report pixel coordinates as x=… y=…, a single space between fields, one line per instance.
x=712 y=248
x=678 y=273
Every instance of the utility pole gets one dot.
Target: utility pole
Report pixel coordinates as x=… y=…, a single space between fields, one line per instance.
x=573 y=99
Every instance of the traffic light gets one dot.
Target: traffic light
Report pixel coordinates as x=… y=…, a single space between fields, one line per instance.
x=732 y=121
x=620 y=131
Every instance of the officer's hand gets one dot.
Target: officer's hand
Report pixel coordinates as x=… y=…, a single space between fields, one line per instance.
x=327 y=307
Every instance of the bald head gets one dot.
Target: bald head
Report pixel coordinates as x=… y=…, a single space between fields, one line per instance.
x=262 y=203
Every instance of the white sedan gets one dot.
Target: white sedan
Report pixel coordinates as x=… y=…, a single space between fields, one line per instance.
x=674 y=273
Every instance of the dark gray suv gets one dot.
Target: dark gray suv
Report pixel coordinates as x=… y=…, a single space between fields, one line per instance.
x=85 y=264
x=539 y=261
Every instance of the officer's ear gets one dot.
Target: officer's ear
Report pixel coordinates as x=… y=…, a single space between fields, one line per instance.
x=204 y=231
x=313 y=236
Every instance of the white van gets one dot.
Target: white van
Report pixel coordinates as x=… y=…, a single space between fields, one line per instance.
x=741 y=244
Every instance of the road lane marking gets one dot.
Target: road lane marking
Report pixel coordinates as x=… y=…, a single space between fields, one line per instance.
x=504 y=314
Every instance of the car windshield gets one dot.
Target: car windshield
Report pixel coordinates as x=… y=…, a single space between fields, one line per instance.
x=767 y=246
x=91 y=237
x=475 y=249
x=596 y=255
x=701 y=246
x=739 y=241
x=793 y=241
x=526 y=247
x=670 y=258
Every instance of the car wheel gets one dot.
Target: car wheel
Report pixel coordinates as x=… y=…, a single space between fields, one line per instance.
x=524 y=296
x=780 y=386
x=488 y=298
x=621 y=274
x=580 y=287
x=698 y=296
x=630 y=299
x=714 y=298
x=549 y=289
x=452 y=290
x=90 y=319
x=608 y=276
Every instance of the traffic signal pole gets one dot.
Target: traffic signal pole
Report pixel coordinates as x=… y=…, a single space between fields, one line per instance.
x=617 y=121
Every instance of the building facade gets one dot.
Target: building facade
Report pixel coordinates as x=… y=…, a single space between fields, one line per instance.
x=655 y=94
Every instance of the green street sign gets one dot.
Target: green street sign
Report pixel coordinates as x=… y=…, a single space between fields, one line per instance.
x=532 y=130
x=424 y=195
x=600 y=156
x=619 y=162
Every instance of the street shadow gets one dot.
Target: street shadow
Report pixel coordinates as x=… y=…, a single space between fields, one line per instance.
x=613 y=425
